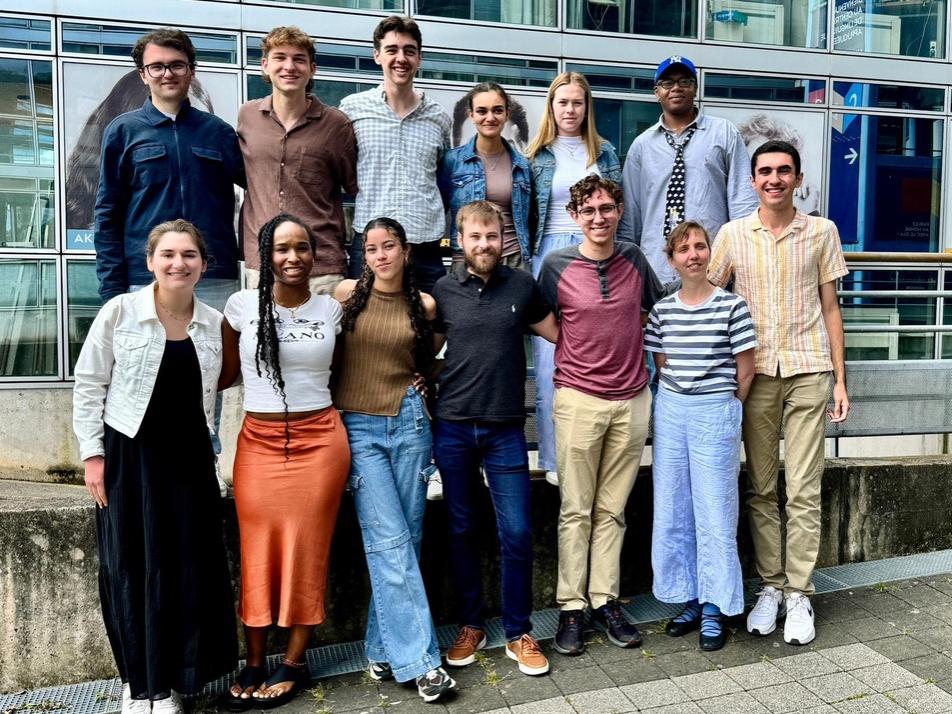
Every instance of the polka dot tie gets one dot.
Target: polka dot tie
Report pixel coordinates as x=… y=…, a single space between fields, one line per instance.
x=674 y=199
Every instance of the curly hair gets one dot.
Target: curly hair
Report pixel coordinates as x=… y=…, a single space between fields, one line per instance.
x=355 y=304
x=583 y=189
x=266 y=350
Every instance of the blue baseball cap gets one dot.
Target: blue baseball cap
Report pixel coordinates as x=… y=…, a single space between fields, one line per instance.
x=673 y=61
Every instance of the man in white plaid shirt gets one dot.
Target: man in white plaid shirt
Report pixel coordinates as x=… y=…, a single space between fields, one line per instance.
x=401 y=136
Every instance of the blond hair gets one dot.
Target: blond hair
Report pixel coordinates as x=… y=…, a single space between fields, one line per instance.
x=179 y=225
x=482 y=211
x=288 y=35
x=548 y=131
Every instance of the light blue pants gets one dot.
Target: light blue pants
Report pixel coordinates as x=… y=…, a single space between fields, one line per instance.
x=543 y=359
x=390 y=466
x=214 y=292
x=696 y=460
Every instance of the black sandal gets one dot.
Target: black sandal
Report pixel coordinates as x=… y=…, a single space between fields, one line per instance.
x=249 y=676
x=288 y=671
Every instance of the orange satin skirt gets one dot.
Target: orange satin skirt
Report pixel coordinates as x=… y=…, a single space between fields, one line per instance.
x=287 y=509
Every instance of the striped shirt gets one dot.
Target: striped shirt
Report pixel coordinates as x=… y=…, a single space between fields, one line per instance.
x=780 y=278
x=699 y=341
x=397 y=161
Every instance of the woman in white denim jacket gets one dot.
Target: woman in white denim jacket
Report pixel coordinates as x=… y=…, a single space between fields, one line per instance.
x=143 y=411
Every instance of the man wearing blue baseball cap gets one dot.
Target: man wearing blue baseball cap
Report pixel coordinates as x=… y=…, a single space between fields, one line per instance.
x=687 y=166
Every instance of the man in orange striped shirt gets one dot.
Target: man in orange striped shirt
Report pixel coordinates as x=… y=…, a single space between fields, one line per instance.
x=785 y=265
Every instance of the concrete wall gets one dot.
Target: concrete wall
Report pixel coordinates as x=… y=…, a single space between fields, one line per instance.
x=51 y=629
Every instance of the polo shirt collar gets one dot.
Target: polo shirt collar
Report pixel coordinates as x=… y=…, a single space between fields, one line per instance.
x=463 y=275
x=797 y=224
x=700 y=121
x=314 y=109
x=156 y=117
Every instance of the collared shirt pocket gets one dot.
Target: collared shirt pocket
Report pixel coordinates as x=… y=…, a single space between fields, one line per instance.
x=129 y=349
x=211 y=163
x=150 y=165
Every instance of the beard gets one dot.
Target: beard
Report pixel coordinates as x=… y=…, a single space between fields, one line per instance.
x=482 y=263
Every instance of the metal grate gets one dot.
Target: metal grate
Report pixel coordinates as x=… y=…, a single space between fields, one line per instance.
x=104 y=696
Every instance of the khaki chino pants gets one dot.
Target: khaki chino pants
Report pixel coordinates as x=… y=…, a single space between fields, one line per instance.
x=598 y=446
x=800 y=402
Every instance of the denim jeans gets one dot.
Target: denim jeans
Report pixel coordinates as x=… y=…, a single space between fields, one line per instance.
x=460 y=447
x=390 y=466
x=214 y=292
x=427 y=262
x=543 y=359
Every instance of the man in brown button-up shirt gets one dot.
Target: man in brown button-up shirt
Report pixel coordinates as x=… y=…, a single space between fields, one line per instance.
x=298 y=155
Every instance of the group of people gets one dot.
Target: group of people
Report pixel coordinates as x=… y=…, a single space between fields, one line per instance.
x=336 y=341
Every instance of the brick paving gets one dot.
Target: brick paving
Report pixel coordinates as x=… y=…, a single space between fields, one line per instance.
x=878 y=650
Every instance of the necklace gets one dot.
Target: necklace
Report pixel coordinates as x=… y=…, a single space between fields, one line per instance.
x=167 y=311
x=492 y=159
x=293 y=310
x=571 y=147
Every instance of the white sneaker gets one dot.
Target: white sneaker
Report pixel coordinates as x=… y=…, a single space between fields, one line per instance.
x=798 y=629
x=434 y=487
x=172 y=704
x=762 y=620
x=134 y=706
x=552 y=477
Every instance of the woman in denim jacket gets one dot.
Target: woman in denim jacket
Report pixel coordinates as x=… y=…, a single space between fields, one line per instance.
x=566 y=149
x=143 y=411
x=489 y=168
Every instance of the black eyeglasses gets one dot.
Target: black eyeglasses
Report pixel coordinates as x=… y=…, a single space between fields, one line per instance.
x=157 y=69
x=606 y=209
x=684 y=83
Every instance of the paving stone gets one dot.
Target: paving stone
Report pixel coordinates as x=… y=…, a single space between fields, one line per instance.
x=945 y=685
x=923 y=595
x=623 y=672
x=581 y=680
x=560 y=663
x=755 y=676
x=942 y=612
x=519 y=689
x=683 y=708
x=646 y=695
x=836 y=687
x=822 y=709
x=604 y=701
x=473 y=700
x=853 y=656
x=935 y=666
x=912 y=620
x=663 y=644
x=348 y=697
x=740 y=703
x=900 y=648
x=880 y=603
x=840 y=610
x=704 y=685
x=871 y=628
x=680 y=663
x=406 y=701
x=874 y=704
x=789 y=697
x=923 y=699
x=735 y=655
x=809 y=664
x=886 y=677
x=834 y=635
x=938 y=638
x=555 y=705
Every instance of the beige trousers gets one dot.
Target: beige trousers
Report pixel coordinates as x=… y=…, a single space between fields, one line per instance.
x=598 y=445
x=800 y=403
x=319 y=284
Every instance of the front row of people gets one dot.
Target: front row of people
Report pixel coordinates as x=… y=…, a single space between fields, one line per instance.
x=148 y=374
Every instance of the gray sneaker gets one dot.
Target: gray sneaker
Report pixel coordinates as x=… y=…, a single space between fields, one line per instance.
x=380 y=671
x=434 y=684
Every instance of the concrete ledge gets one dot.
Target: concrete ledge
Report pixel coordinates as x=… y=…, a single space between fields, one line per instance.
x=51 y=631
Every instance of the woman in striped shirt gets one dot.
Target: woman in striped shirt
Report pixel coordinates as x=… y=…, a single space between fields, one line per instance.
x=703 y=343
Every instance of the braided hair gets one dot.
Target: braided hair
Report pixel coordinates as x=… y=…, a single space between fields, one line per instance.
x=354 y=305
x=266 y=349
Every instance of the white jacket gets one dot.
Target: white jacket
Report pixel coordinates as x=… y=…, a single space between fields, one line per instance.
x=117 y=367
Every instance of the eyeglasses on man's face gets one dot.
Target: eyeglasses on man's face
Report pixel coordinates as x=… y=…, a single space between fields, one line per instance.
x=683 y=82
x=606 y=209
x=158 y=69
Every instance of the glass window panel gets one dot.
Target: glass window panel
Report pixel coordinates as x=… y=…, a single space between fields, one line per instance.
x=349 y=4
x=27 y=209
x=885 y=179
x=82 y=304
x=516 y=12
x=631 y=80
x=20 y=33
x=792 y=90
x=620 y=121
x=472 y=69
x=889 y=27
x=115 y=41
x=641 y=17
x=889 y=311
x=947 y=317
x=793 y=23
x=888 y=96
x=27 y=318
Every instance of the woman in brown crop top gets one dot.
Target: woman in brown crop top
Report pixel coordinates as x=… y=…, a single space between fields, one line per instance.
x=387 y=340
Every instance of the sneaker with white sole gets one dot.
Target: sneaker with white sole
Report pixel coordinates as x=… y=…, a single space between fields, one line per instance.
x=172 y=704
x=798 y=629
x=552 y=477
x=380 y=671
x=762 y=620
x=134 y=706
x=434 y=684
x=434 y=487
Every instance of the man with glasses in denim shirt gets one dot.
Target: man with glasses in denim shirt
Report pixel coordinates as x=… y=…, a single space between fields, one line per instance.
x=687 y=166
x=165 y=161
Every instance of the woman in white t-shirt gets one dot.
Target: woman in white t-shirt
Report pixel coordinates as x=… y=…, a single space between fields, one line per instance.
x=703 y=343
x=566 y=149
x=291 y=460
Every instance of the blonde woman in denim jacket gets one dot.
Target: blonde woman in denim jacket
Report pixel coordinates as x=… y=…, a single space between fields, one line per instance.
x=143 y=412
x=566 y=149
